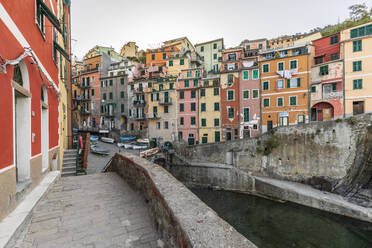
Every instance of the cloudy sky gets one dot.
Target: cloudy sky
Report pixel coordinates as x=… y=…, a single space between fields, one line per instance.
x=149 y=22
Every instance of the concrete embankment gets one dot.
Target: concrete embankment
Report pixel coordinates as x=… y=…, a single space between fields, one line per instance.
x=224 y=177
x=180 y=217
x=334 y=156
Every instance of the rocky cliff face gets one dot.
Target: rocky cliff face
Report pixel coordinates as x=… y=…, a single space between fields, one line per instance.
x=357 y=184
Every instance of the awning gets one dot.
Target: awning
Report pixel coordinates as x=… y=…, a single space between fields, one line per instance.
x=49 y=14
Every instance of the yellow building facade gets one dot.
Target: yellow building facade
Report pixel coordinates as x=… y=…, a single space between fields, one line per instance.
x=210 y=114
x=162 y=109
x=356 y=45
x=176 y=64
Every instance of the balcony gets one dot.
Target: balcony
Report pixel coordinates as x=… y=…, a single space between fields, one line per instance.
x=165 y=101
x=139 y=103
x=88 y=70
x=84 y=86
x=332 y=95
x=153 y=116
x=85 y=112
x=251 y=53
x=84 y=98
x=230 y=67
x=108 y=114
x=140 y=117
x=76 y=98
x=138 y=91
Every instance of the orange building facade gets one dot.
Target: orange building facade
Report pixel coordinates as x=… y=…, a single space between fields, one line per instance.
x=285 y=84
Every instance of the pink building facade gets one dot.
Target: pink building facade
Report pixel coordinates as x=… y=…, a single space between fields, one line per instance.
x=188 y=105
x=249 y=101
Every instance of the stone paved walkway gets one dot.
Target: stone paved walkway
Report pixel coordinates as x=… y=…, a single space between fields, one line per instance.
x=98 y=210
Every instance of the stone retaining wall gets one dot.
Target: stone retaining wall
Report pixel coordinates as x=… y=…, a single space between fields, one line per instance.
x=295 y=153
x=232 y=179
x=180 y=217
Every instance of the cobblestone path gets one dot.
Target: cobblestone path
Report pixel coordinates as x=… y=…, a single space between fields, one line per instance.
x=98 y=210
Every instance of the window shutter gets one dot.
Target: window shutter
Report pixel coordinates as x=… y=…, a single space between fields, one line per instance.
x=288 y=83
x=298 y=82
x=152 y=97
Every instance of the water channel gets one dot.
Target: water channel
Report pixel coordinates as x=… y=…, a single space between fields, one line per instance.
x=271 y=224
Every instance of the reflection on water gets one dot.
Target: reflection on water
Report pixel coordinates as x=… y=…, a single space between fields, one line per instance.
x=270 y=224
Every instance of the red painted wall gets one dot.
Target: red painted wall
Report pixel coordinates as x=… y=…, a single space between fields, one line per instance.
x=225 y=104
x=23 y=15
x=323 y=46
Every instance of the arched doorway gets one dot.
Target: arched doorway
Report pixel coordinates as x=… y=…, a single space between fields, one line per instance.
x=322 y=111
x=22 y=122
x=44 y=128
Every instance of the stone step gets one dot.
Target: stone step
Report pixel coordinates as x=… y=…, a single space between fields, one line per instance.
x=67 y=164
x=69 y=168
x=68 y=173
x=67 y=160
x=70 y=150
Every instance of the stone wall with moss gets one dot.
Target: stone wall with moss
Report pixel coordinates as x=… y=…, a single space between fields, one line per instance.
x=326 y=154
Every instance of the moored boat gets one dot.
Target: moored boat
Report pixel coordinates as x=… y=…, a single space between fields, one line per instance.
x=108 y=140
x=99 y=150
x=143 y=141
x=126 y=139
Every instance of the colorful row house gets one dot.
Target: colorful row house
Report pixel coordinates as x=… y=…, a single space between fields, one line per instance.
x=35 y=94
x=137 y=105
x=210 y=127
x=285 y=83
x=327 y=94
x=162 y=108
x=356 y=46
x=249 y=98
x=188 y=105
x=211 y=53
x=229 y=90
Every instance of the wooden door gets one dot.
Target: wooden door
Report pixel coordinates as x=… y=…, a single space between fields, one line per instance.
x=358 y=108
x=327 y=114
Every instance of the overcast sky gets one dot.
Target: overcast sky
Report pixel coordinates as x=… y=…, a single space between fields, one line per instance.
x=149 y=22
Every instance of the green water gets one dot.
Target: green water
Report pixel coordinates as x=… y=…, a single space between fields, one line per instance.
x=270 y=224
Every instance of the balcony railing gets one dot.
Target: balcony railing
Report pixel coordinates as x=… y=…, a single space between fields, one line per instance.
x=110 y=114
x=153 y=116
x=332 y=95
x=82 y=86
x=140 y=117
x=85 y=112
x=85 y=98
x=165 y=101
x=89 y=70
x=251 y=53
x=139 y=103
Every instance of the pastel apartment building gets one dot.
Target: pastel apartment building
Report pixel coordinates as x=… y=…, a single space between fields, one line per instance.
x=356 y=45
x=285 y=84
x=210 y=127
x=188 y=105
x=327 y=94
x=210 y=53
x=249 y=97
x=229 y=90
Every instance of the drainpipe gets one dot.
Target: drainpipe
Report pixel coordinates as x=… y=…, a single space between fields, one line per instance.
x=308 y=88
x=69 y=84
x=260 y=96
x=239 y=112
x=343 y=79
